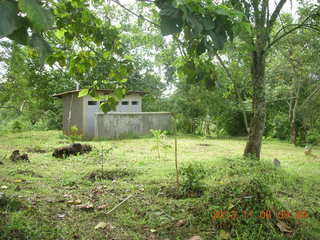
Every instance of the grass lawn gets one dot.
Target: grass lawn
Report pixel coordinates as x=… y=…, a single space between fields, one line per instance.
x=51 y=198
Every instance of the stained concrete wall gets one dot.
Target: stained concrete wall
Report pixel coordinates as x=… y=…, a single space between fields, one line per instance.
x=116 y=125
x=75 y=104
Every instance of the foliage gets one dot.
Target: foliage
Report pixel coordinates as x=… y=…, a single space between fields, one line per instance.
x=74 y=134
x=192 y=177
x=313 y=138
x=105 y=154
x=204 y=24
x=197 y=71
x=281 y=127
x=160 y=138
x=96 y=57
x=19 y=17
x=16 y=126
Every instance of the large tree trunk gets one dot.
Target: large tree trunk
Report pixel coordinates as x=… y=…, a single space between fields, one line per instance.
x=257 y=125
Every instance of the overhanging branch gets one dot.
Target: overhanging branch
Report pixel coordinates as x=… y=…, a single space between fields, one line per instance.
x=151 y=22
x=275 y=14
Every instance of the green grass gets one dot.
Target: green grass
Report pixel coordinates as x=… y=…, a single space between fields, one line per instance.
x=38 y=192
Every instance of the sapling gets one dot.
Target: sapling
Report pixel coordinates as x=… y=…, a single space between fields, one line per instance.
x=105 y=154
x=74 y=134
x=160 y=143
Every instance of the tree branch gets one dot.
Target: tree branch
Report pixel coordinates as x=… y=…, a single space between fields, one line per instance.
x=277 y=37
x=135 y=14
x=151 y=22
x=275 y=14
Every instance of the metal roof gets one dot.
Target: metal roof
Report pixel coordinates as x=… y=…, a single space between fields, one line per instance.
x=105 y=91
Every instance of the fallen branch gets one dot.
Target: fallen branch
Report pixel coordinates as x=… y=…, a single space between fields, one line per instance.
x=130 y=196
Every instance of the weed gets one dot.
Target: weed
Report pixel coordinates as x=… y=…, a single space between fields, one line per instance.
x=111 y=174
x=105 y=154
x=26 y=172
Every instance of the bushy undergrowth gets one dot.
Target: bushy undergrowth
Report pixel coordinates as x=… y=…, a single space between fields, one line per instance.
x=240 y=199
x=313 y=138
x=23 y=123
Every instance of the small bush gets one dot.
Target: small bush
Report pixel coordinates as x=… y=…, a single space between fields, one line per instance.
x=192 y=176
x=16 y=126
x=313 y=138
x=41 y=125
x=74 y=134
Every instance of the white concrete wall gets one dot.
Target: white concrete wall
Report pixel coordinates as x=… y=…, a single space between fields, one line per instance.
x=89 y=111
x=117 y=124
x=130 y=107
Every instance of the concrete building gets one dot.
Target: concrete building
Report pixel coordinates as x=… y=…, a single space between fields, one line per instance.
x=127 y=119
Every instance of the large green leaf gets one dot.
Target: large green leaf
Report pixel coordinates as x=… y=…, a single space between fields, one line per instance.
x=109 y=105
x=195 y=24
x=41 y=46
x=170 y=18
x=170 y=25
x=83 y=92
x=8 y=18
x=40 y=18
x=20 y=35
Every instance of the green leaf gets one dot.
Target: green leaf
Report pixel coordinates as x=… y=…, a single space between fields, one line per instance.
x=109 y=105
x=170 y=18
x=8 y=18
x=119 y=93
x=201 y=48
x=41 y=46
x=20 y=36
x=83 y=92
x=40 y=18
x=196 y=25
x=60 y=33
x=222 y=10
x=170 y=25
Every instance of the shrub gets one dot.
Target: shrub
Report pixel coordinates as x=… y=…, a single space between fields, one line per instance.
x=16 y=126
x=192 y=176
x=42 y=124
x=313 y=138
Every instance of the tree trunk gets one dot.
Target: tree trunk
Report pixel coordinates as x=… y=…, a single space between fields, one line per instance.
x=293 y=131
x=257 y=125
x=293 y=125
